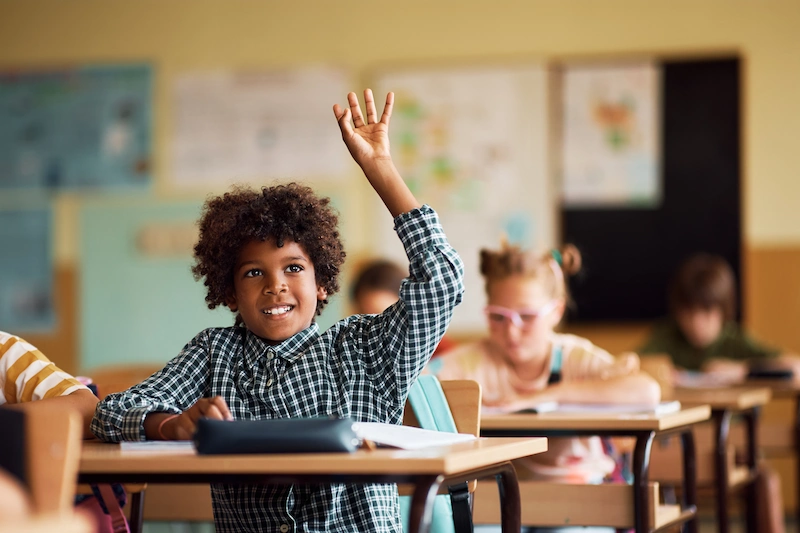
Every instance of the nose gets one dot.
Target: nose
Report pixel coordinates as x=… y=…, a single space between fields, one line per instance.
x=274 y=284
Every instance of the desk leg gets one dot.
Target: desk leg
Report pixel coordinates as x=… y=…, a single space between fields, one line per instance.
x=137 y=511
x=689 y=478
x=510 y=505
x=722 y=423
x=421 y=512
x=751 y=422
x=641 y=476
x=797 y=452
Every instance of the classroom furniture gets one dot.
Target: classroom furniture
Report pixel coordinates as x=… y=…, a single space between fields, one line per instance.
x=614 y=505
x=426 y=469
x=41 y=447
x=48 y=524
x=726 y=476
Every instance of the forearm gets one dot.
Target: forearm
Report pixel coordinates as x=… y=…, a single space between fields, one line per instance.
x=387 y=182
x=82 y=401
x=632 y=389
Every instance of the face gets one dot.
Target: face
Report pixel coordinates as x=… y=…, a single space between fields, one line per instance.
x=528 y=339
x=275 y=289
x=700 y=326
x=374 y=301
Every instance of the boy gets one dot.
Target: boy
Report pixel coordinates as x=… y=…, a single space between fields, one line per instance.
x=273 y=257
x=701 y=333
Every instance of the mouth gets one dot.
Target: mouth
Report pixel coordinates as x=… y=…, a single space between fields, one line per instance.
x=278 y=310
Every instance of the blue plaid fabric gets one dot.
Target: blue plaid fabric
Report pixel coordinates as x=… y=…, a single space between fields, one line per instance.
x=362 y=367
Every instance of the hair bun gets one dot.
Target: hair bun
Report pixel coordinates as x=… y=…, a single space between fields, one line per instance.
x=570 y=259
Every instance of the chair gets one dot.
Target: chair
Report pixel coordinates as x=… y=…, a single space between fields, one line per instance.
x=42 y=448
x=446 y=406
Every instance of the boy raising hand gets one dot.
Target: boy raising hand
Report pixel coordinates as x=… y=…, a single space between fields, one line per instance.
x=273 y=256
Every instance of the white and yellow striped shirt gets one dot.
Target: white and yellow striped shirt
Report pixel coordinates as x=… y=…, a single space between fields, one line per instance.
x=27 y=375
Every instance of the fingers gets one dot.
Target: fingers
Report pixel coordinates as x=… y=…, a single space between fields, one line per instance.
x=358 y=120
x=214 y=408
x=369 y=103
x=387 y=109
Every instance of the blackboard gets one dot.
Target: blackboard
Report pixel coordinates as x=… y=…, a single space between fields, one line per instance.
x=630 y=254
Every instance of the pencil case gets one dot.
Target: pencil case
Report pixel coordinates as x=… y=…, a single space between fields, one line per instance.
x=283 y=435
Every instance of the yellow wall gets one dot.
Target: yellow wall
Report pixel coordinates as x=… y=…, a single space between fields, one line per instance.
x=189 y=34
x=181 y=35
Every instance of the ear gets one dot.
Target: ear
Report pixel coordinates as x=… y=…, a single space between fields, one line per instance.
x=231 y=303
x=322 y=293
x=558 y=313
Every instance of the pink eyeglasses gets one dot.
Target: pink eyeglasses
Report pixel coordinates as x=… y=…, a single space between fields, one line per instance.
x=522 y=318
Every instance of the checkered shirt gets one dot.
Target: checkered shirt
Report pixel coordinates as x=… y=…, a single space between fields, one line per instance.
x=362 y=367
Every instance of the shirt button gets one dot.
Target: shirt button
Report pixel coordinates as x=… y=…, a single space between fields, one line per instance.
x=269 y=384
x=284 y=528
x=270 y=355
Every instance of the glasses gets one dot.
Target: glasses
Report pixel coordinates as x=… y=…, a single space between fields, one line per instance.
x=522 y=318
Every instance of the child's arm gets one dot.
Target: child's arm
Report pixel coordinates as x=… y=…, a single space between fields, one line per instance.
x=82 y=400
x=368 y=143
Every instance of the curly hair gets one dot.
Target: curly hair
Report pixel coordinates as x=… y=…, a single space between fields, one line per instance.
x=290 y=212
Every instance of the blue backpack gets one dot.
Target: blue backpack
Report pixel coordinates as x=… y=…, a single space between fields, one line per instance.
x=432 y=411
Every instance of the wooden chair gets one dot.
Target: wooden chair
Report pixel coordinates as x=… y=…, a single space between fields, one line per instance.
x=42 y=447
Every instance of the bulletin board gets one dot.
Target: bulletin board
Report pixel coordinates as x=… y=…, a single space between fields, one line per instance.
x=472 y=143
x=630 y=252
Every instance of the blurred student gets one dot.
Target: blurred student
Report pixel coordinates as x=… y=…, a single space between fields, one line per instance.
x=377 y=286
x=701 y=332
x=524 y=362
x=26 y=375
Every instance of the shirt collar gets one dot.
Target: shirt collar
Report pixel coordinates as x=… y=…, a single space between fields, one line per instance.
x=291 y=349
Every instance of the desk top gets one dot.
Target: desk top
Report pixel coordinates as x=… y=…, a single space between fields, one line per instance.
x=556 y=421
x=737 y=398
x=104 y=458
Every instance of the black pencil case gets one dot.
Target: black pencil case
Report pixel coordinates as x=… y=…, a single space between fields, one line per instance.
x=283 y=435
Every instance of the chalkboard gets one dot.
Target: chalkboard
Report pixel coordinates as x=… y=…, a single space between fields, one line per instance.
x=629 y=254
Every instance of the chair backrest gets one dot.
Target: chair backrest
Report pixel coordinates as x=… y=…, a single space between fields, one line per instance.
x=47 y=462
x=464 y=399
x=116 y=378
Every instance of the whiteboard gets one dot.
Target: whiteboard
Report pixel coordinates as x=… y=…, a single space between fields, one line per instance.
x=473 y=143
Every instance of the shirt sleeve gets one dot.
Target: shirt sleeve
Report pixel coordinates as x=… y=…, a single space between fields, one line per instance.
x=743 y=347
x=173 y=389
x=399 y=342
x=582 y=359
x=27 y=375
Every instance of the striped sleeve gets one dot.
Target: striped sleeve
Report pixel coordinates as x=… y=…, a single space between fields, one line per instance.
x=27 y=375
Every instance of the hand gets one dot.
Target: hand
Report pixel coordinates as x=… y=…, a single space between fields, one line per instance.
x=183 y=426
x=367 y=142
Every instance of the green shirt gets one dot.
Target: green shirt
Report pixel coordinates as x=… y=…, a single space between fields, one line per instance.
x=732 y=343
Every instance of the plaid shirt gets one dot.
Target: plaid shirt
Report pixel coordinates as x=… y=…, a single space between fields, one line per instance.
x=362 y=367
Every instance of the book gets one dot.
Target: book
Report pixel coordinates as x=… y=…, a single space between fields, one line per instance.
x=661 y=408
x=407 y=437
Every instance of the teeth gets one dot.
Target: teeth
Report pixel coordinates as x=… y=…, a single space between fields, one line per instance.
x=278 y=310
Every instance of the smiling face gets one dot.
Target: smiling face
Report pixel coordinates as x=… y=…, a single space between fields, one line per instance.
x=531 y=340
x=275 y=289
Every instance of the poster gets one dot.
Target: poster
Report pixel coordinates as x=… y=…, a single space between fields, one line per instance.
x=77 y=128
x=472 y=143
x=610 y=152
x=240 y=126
x=26 y=271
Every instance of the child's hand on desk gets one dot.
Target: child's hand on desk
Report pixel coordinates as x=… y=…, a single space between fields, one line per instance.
x=183 y=426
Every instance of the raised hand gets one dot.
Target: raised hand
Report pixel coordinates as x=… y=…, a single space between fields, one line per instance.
x=368 y=141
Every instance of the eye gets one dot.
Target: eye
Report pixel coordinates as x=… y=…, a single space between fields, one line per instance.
x=294 y=268
x=528 y=318
x=253 y=272
x=497 y=317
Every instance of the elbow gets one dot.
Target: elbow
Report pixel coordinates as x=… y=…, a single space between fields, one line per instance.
x=651 y=390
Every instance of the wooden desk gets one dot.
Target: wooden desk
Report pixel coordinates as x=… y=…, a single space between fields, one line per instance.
x=426 y=469
x=644 y=427
x=744 y=402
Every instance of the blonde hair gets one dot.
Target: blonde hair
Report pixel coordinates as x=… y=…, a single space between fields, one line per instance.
x=550 y=269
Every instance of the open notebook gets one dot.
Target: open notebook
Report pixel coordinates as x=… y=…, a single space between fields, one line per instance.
x=594 y=408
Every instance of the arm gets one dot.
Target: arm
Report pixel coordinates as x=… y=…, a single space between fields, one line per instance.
x=82 y=400
x=368 y=143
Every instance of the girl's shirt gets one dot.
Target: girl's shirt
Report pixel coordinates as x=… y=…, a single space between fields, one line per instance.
x=577 y=460
x=27 y=375
x=362 y=367
x=733 y=343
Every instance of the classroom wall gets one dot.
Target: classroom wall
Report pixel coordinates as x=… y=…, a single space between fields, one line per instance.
x=183 y=35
